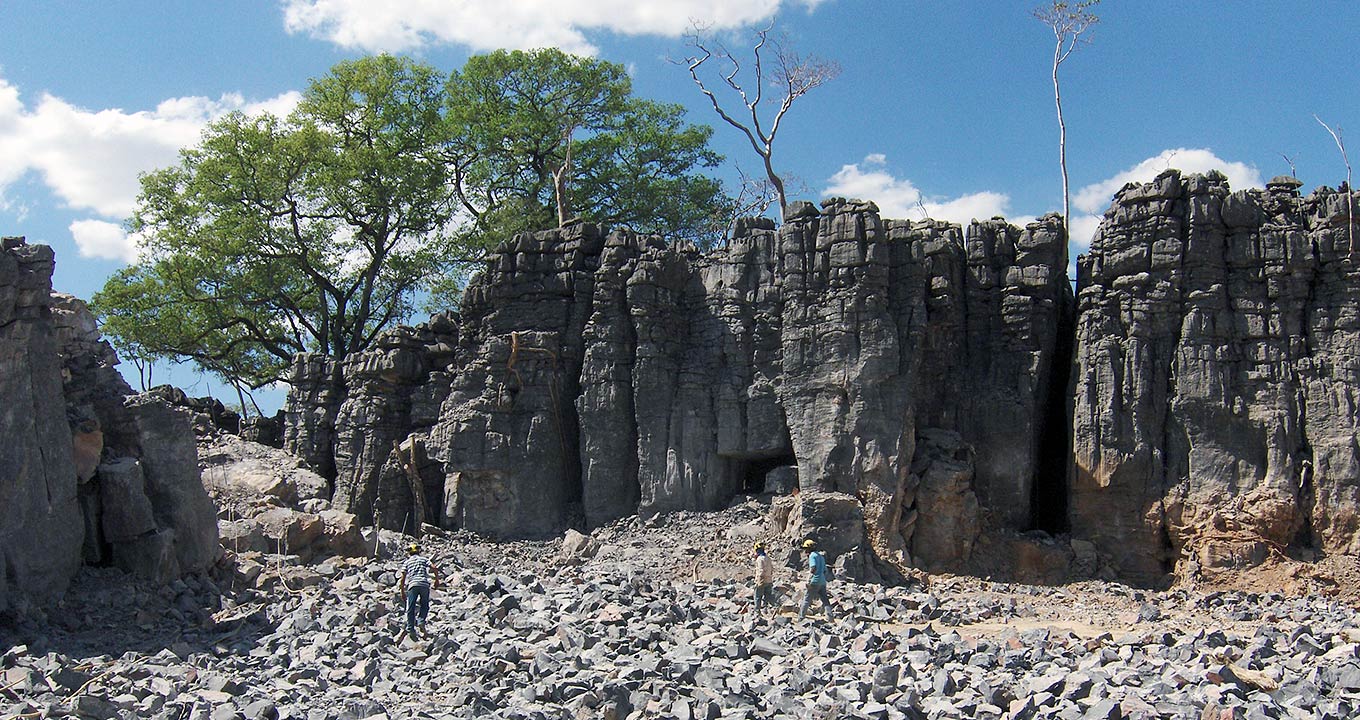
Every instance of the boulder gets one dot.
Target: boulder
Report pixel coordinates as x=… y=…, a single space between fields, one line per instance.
x=290 y=532
x=340 y=534
x=127 y=513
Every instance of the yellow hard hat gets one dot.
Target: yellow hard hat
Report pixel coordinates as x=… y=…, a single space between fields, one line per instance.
x=413 y=548
x=809 y=543
x=758 y=546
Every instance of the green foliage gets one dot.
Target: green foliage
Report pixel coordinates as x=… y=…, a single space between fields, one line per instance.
x=317 y=231
x=276 y=236
x=520 y=117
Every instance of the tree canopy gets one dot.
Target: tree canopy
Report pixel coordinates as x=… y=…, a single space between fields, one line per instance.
x=541 y=137
x=317 y=231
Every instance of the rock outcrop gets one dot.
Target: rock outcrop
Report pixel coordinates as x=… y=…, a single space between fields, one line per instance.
x=41 y=529
x=1218 y=365
x=597 y=376
x=90 y=472
x=1194 y=409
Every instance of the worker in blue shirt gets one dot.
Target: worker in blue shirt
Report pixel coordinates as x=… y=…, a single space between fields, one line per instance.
x=817 y=577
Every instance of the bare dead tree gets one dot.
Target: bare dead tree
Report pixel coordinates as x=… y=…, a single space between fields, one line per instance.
x=755 y=196
x=1069 y=23
x=561 y=177
x=792 y=74
x=1350 y=193
x=1290 y=162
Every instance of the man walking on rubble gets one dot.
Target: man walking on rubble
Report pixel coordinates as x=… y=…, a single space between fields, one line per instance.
x=817 y=577
x=418 y=577
x=764 y=575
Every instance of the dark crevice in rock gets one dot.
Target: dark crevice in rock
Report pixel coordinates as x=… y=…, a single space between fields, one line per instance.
x=1048 y=498
x=1175 y=445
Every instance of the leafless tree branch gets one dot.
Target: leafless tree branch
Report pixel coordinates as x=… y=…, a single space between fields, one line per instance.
x=793 y=73
x=1350 y=193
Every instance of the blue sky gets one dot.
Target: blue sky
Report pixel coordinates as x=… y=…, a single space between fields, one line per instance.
x=948 y=103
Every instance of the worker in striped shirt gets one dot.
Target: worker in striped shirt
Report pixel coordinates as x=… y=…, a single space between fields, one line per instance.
x=417 y=574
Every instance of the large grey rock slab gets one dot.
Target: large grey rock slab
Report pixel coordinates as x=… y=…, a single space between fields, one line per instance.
x=169 y=459
x=41 y=526
x=126 y=510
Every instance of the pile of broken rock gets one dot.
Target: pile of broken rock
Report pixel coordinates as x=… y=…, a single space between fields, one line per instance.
x=646 y=619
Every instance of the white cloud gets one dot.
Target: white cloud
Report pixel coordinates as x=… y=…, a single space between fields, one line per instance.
x=869 y=179
x=513 y=24
x=1090 y=202
x=106 y=240
x=1084 y=226
x=899 y=198
x=1095 y=198
x=91 y=158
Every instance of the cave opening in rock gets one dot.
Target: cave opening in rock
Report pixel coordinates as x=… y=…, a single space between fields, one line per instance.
x=1048 y=492
x=752 y=472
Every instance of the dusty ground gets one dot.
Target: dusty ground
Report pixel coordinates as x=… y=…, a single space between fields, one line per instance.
x=714 y=548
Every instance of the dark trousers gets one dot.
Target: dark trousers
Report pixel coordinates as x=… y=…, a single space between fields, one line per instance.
x=417 y=605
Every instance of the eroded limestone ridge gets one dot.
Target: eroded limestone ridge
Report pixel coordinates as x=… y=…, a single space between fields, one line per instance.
x=592 y=376
x=1216 y=377
x=89 y=471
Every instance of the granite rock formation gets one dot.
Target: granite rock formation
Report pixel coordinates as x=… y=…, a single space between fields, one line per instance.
x=1218 y=362
x=600 y=375
x=90 y=472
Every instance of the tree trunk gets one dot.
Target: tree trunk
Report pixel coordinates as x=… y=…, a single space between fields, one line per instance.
x=561 y=176
x=1062 y=139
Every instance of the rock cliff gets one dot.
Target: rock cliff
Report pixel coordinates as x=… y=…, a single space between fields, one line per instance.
x=1216 y=377
x=914 y=394
x=924 y=385
x=89 y=472
x=598 y=375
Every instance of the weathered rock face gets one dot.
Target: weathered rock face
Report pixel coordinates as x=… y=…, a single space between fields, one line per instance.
x=346 y=420
x=41 y=529
x=598 y=376
x=1218 y=361
x=920 y=369
x=374 y=416
x=315 y=391
x=508 y=432
x=89 y=471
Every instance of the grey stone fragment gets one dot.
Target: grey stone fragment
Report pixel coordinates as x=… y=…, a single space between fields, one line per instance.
x=126 y=511
x=227 y=712
x=94 y=707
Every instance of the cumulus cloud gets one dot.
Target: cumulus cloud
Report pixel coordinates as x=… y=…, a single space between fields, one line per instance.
x=104 y=240
x=513 y=24
x=1091 y=201
x=869 y=179
x=91 y=159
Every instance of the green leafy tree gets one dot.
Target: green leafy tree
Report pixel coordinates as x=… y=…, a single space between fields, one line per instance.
x=542 y=137
x=275 y=236
x=317 y=231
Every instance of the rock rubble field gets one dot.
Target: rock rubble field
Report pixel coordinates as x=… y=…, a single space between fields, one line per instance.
x=652 y=619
